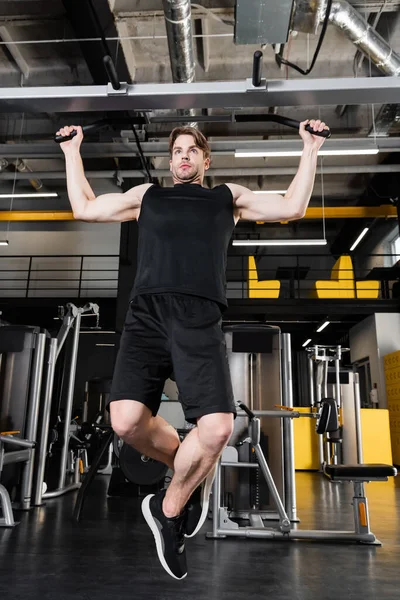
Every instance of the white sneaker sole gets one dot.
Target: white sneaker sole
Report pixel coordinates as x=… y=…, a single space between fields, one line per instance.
x=157 y=536
x=205 y=500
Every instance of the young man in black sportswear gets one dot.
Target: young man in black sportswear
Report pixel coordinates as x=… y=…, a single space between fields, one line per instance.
x=173 y=323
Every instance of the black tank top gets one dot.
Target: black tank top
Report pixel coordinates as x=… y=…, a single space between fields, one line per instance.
x=184 y=233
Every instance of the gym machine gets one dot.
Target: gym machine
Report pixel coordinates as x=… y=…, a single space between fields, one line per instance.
x=24 y=454
x=22 y=362
x=250 y=338
x=335 y=390
x=71 y=321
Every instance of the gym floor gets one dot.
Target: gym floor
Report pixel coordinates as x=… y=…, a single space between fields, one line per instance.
x=111 y=554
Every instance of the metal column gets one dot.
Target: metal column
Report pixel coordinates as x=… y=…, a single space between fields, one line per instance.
x=44 y=434
x=337 y=371
x=32 y=421
x=62 y=488
x=357 y=414
x=288 y=434
x=311 y=381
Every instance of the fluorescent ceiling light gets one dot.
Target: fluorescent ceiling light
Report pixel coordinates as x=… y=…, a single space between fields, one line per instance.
x=270 y=192
x=49 y=195
x=306 y=342
x=323 y=326
x=4 y=243
x=360 y=237
x=289 y=153
x=279 y=242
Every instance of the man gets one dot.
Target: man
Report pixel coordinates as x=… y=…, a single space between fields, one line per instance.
x=174 y=320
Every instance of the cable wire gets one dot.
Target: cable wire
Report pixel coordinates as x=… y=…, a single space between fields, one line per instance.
x=318 y=48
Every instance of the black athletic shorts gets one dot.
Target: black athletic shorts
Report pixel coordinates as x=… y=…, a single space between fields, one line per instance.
x=177 y=334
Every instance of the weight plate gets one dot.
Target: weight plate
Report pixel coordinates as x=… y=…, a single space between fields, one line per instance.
x=140 y=469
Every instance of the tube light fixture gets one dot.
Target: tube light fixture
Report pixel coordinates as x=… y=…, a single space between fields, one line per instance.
x=279 y=242
x=291 y=153
x=360 y=237
x=3 y=243
x=323 y=326
x=270 y=192
x=47 y=195
x=307 y=342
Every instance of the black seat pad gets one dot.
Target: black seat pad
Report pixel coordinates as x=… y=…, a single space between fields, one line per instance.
x=360 y=471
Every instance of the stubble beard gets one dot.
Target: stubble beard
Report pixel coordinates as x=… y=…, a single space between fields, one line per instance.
x=187 y=177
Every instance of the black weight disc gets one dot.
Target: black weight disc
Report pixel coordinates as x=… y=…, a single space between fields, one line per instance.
x=140 y=469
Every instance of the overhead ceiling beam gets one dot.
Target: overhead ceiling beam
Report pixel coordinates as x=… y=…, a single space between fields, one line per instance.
x=218 y=94
x=333 y=212
x=220 y=148
x=8 y=35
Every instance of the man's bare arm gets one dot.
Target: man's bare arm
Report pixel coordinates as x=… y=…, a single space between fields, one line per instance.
x=291 y=206
x=114 y=207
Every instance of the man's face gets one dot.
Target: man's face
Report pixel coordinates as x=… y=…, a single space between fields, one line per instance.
x=187 y=163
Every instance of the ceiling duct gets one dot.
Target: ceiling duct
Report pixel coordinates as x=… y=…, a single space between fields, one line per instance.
x=346 y=18
x=178 y=22
x=23 y=167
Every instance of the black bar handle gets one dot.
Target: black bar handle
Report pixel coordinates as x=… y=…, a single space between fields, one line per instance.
x=248 y=412
x=257 y=68
x=111 y=72
x=326 y=133
x=86 y=128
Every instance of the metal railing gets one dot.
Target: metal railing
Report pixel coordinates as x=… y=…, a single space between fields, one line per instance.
x=299 y=276
x=294 y=276
x=77 y=276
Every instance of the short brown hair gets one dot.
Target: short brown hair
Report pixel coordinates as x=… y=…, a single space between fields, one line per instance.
x=199 y=138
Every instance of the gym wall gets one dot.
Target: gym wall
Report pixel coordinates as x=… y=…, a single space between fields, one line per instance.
x=375 y=337
x=64 y=238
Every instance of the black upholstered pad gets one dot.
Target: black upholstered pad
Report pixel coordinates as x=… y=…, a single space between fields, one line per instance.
x=360 y=471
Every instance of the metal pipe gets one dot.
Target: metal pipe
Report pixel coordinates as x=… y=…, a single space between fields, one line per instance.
x=178 y=23
x=63 y=333
x=346 y=18
x=69 y=401
x=298 y=534
x=357 y=414
x=44 y=434
x=288 y=434
x=7 y=520
x=311 y=380
x=280 y=414
x=17 y=456
x=337 y=372
x=325 y=380
x=12 y=441
x=216 y=499
x=321 y=452
x=32 y=420
x=283 y=517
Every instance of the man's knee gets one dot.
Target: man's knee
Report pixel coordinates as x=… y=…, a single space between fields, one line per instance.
x=215 y=431
x=129 y=419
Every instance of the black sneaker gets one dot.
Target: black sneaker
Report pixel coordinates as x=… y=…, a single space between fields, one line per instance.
x=168 y=535
x=197 y=507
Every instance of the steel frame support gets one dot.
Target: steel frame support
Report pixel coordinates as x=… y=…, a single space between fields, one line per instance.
x=216 y=94
x=218 y=148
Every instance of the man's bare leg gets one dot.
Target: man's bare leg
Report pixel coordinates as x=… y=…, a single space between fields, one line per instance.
x=195 y=458
x=152 y=436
